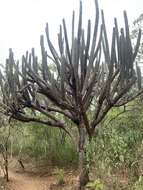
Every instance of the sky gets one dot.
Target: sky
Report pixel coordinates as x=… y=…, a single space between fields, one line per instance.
x=23 y=21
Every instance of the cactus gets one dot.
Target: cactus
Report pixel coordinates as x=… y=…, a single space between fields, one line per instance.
x=87 y=73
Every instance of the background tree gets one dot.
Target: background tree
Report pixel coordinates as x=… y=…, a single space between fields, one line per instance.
x=89 y=75
x=137 y=24
x=4 y=145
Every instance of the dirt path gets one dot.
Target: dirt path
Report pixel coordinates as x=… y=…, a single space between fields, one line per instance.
x=25 y=181
x=30 y=181
x=41 y=179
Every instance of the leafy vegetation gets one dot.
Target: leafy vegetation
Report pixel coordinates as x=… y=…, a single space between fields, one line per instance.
x=44 y=144
x=95 y=185
x=60 y=177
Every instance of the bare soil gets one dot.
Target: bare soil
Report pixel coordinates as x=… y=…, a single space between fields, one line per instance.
x=29 y=180
x=24 y=181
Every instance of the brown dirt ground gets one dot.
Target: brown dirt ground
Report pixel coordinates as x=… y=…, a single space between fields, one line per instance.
x=27 y=180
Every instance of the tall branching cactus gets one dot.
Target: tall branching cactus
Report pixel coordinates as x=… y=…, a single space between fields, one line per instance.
x=89 y=72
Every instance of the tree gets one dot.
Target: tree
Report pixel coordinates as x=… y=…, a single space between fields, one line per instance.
x=4 y=144
x=137 y=24
x=88 y=76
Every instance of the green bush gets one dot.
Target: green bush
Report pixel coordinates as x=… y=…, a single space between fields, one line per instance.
x=120 y=142
x=96 y=185
x=138 y=184
x=44 y=143
x=60 y=177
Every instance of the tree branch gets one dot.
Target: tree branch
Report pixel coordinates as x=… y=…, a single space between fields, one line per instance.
x=27 y=119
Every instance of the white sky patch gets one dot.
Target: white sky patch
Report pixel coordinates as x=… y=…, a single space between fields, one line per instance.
x=23 y=21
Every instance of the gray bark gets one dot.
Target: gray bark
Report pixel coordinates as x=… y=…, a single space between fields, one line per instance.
x=83 y=170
